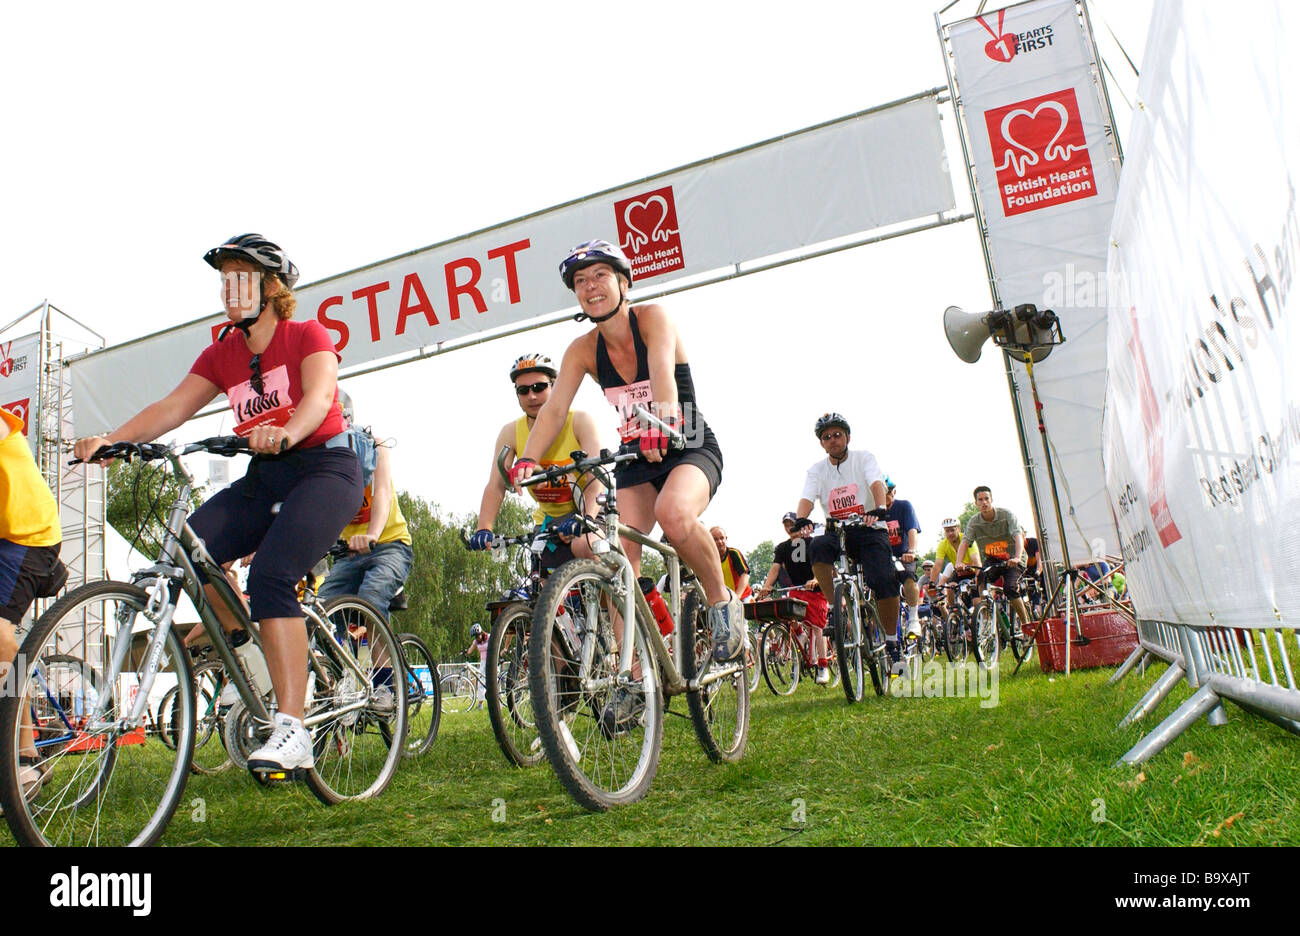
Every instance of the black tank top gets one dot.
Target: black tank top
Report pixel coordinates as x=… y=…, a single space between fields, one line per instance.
x=624 y=395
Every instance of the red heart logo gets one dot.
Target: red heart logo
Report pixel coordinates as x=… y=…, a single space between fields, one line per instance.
x=7 y=367
x=644 y=219
x=1001 y=49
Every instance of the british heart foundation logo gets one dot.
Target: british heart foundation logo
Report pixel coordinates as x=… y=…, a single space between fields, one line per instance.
x=648 y=233
x=1040 y=152
x=20 y=408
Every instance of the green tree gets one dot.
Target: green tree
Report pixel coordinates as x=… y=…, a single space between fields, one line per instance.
x=139 y=496
x=760 y=560
x=967 y=512
x=449 y=586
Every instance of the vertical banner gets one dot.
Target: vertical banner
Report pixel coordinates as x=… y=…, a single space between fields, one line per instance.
x=1045 y=170
x=19 y=369
x=1202 y=422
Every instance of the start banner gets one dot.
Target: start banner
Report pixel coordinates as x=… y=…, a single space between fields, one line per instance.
x=1045 y=167
x=1202 y=423
x=19 y=367
x=866 y=171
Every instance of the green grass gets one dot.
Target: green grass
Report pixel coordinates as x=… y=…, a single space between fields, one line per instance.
x=1030 y=771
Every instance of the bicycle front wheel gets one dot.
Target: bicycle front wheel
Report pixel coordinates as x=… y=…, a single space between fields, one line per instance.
x=601 y=729
x=99 y=782
x=780 y=659
x=423 y=699
x=459 y=693
x=986 y=636
x=357 y=716
x=955 y=640
x=847 y=621
x=720 y=708
x=510 y=709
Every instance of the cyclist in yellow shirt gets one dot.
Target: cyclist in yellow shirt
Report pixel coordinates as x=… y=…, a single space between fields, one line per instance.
x=30 y=537
x=381 y=556
x=533 y=376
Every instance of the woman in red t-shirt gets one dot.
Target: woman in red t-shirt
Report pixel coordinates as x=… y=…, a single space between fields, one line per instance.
x=280 y=377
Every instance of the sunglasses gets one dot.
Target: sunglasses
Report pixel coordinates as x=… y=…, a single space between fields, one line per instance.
x=828 y=436
x=255 y=365
x=525 y=389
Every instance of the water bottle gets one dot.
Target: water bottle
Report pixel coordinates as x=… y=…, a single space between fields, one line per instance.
x=254 y=663
x=363 y=654
x=657 y=605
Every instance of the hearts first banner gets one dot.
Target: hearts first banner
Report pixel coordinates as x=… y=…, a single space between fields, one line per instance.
x=849 y=176
x=19 y=367
x=1046 y=170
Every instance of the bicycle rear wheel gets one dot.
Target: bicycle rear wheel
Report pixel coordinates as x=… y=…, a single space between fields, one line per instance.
x=873 y=647
x=511 y=708
x=210 y=754
x=847 y=621
x=357 y=720
x=720 y=709
x=602 y=732
x=103 y=784
x=459 y=693
x=779 y=658
x=423 y=699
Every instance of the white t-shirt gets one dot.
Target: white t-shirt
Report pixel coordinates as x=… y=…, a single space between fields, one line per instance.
x=844 y=490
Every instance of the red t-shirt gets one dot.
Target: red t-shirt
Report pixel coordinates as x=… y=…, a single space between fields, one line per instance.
x=225 y=364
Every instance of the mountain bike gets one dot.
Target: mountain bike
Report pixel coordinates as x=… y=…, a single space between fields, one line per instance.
x=598 y=687
x=102 y=788
x=786 y=649
x=859 y=636
x=994 y=628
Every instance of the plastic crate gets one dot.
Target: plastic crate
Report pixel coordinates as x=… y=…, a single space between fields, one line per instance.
x=1113 y=637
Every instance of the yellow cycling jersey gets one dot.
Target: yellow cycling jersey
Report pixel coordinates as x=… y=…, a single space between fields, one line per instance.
x=29 y=515
x=394 y=530
x=947 y=553
x=553 y=500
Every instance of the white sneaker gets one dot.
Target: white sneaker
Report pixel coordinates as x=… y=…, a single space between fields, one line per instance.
x=288 y=748
x=823 y=677
x=913 y=627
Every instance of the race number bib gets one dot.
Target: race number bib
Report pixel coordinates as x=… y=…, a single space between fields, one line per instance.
x=844 y=502
x=272 y=407
x=553 y=492
x=363 y=514
x=625 y=400
x=996 y=549
x=895 y=535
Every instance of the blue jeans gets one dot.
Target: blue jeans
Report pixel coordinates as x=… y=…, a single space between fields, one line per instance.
x=375 y=576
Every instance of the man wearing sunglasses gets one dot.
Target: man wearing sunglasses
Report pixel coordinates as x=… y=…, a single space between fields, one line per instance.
x=851 y=484
x=533 y=376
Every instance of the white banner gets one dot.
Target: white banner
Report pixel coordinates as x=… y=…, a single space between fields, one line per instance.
x=852 y=175
x=19 y=368
x=1203 y=420
x=1046 y=172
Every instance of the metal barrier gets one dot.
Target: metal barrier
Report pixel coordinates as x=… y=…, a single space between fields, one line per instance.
x=1249 y=667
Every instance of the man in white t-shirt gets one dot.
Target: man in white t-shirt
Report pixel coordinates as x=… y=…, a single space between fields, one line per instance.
x=851 y=484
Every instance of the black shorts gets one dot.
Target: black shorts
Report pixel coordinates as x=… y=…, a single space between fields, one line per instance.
x=28 y=573
x=1009 y=573
x=870 y=546
x=908 y=572
x=318 y=490
x=707 y=458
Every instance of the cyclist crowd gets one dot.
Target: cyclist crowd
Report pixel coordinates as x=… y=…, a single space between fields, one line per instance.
x=316 y=476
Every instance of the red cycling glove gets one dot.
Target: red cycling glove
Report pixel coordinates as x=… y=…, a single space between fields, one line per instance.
x=517 y=469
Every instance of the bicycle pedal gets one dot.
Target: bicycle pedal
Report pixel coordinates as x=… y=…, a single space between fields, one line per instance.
x=269 y=776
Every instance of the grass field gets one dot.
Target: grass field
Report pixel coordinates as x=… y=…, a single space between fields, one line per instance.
x=1035 y=769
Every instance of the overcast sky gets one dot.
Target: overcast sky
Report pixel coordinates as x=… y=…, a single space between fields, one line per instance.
x=140 y=135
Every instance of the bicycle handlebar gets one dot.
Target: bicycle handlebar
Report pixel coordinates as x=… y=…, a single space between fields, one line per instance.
x=227 y=446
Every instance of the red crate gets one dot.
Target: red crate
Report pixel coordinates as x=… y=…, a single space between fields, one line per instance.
x=1112 y=634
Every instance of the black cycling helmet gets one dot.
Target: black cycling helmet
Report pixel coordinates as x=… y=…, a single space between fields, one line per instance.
x=831 y=419
x=533 y=362
x=590 y=253
x=258 y=251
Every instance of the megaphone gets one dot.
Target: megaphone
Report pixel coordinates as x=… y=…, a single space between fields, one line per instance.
x=1024 y=333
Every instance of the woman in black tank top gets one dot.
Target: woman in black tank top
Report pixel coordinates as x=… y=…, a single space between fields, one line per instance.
x=671 y=488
